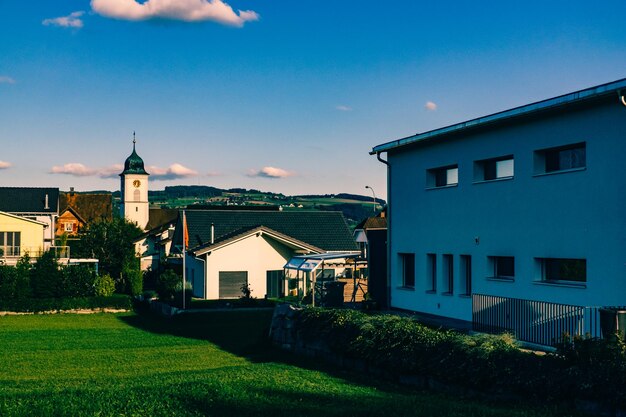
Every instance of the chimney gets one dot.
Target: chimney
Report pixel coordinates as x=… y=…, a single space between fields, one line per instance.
x=212 y=233
x=71 y=191
x=46 y=205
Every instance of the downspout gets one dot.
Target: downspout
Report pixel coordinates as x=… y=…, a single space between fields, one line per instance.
x=388 y=226
x=205 y=272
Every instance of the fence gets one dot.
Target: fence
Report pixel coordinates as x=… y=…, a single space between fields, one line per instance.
x=531 y=321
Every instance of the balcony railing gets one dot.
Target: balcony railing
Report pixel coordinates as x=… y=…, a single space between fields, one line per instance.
x=14 y=252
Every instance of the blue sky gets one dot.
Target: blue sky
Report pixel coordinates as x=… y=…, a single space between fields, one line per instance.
x=286 y=96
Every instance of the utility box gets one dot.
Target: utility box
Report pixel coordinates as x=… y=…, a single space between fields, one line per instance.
x=334 y=294
x=613 y=320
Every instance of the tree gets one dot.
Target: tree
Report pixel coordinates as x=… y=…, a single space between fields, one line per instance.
x=111 y=242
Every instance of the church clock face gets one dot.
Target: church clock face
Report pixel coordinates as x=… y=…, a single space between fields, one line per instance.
x=136 y=183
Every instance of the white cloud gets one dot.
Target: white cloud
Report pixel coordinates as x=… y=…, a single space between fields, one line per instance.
x=77 y=169
x=112 y=171
x=5 y=165
x=4 y=79
x=174 y=171
x=270 y=172
x=430 y=106
x=185 y=10
x=73 y=168
x=344 y=108
x=73 y=20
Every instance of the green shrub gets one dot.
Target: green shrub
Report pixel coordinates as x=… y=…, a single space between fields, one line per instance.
x=45 y=276
x=104 y=286
x=134 y=282
x=8 y=282
x=78 y=281
x=167 y=284
x=401 y=346
x=118 y=301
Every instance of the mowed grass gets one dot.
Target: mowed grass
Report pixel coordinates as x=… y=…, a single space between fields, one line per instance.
x=213 y=364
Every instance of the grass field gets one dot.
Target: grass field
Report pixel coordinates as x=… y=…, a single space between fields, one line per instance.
x=211 y=364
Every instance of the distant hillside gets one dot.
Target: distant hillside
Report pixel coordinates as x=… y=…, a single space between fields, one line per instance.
x=354 y=207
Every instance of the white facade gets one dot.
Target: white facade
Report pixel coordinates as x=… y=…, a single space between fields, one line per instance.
x=134 y=204
x=558 y=213
x=256 y=254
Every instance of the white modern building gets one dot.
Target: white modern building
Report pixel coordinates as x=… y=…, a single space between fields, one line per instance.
x=513 y=220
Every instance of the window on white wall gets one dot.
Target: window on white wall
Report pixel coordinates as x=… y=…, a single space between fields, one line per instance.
x=494 y=168
x=503 y=267
x=407 y=265
x=442 y=177
x=431 y=272
x=466 y=275
x=562 y=158
x=562 y=270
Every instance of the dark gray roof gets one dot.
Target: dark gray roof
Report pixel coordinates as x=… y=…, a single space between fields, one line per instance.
x=29 y=200
x=614 y=90
x=326 y=230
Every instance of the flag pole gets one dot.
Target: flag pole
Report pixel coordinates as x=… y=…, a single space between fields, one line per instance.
x=184 y=254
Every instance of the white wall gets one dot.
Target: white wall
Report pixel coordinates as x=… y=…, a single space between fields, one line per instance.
x=566 y=215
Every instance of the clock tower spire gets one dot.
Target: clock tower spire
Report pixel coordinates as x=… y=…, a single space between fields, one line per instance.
x=134 y=190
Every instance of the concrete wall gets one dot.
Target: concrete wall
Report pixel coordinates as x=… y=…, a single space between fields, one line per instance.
x=577 y=214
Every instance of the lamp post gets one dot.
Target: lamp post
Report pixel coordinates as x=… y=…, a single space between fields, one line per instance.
x=374 y=196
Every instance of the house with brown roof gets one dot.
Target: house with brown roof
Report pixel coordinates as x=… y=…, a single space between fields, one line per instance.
x=80 y=209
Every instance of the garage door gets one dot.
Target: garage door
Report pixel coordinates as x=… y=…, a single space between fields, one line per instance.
x=231 y=283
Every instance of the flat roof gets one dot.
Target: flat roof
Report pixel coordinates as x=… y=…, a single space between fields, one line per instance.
x=614 y=87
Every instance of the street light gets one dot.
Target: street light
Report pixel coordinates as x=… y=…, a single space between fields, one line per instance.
x=374 y=195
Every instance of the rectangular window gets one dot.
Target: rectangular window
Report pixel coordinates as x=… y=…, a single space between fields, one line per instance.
x=10 y=243
x=431 y=271
x=559 y=269
x=448 y=274
x=407 y=261
x=68 y=227
x=562 y=158
x=503 y=267
x=494 y=168
x=442 y=177
x=466 y=275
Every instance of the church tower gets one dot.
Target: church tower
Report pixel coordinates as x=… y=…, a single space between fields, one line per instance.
x=134 y=190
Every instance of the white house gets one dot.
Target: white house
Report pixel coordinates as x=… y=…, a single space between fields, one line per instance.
x=231 y=248
x=513 y=220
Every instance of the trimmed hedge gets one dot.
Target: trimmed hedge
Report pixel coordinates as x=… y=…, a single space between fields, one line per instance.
x=34 y=305
x=583 y=369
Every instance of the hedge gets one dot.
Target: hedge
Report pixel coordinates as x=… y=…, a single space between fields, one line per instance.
x=117 y=301
x=581 y=369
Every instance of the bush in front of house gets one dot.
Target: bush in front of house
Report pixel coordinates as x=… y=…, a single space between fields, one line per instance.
x=166 y=285
x=34 y=305
x=103 y=286
x=134 y=282
x=592 y=369
x=78 y=281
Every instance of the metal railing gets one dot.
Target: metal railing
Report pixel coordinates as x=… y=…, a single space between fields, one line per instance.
x=538 y=322
x=11 y=252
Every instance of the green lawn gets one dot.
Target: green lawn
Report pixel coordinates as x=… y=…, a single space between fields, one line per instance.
x=209 y=364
